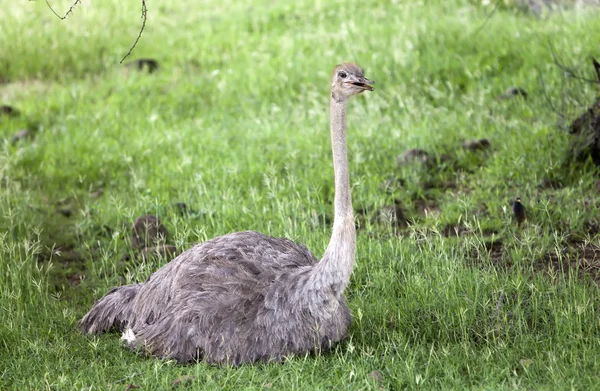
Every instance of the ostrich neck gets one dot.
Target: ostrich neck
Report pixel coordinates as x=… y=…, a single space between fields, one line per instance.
x=334 y=269
x=343 y=197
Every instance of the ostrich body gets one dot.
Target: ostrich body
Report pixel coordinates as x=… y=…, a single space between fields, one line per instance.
x=246 y=296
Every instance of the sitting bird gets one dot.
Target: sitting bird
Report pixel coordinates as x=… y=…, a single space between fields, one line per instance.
x=247 y=297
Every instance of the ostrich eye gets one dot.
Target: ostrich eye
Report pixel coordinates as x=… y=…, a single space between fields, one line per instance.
x=343 y=75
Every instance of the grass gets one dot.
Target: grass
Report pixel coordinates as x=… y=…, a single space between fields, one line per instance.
x=235 y=125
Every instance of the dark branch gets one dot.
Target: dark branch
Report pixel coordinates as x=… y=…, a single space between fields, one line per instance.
x=547 y=97
x=144 y=17
x=487 y=18
x=568 y=71
x=70 y=11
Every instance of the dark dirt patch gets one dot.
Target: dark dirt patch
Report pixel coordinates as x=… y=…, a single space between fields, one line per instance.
x=432 y=184
x=483 y=210
x=62 y=253
x=183 y=381
x=477 y=145
x=551 y=184
x=392 y=184
x=426 y=207
x=454 y=230
x=576 y=258
x=75 y=279
x=513 y=92
x=67 y=212
x=393 y=215
x=496 y=252
x=149 y=65
x=181 y=208
x=582 y=259
x=184 y=210
x=148 y=231
x=376 y=376
x=459 y=230
x=592 y=227
x=589 y=256
x=9 y=111
x=576 y=238
x=414 y=155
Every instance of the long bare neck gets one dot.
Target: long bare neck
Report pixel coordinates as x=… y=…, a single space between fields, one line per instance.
x=334 y=269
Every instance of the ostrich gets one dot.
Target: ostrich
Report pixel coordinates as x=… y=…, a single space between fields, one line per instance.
x=247 y=297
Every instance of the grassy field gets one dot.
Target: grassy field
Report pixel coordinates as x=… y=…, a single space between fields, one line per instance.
x=235 y=125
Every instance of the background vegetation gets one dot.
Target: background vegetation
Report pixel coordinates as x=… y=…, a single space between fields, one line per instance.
x=235 y=125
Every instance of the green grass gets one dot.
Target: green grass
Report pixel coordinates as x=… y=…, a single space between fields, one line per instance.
x=235 y=124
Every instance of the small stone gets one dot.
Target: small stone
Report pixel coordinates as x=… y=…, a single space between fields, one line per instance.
x=65 y=212
x=512 y=92
x=9 y=111
x=21 y=135
x=413 y=155
x=550 y=184
x=161 y=251
x=75 y=279
x=424 y=208
x=147 y=231
x=476 y=145
x=454 y=230
x=183 y=380
x=149 y=64
x=376 y=376
x=182 y=208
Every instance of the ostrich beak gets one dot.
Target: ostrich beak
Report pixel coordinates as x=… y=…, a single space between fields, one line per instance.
x=363 y=83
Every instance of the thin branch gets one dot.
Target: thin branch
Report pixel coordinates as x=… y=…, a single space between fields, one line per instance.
x=547 y=97
x=70 y=11
x=563 y=95
x=144 y=17
x=487 y=18
x=568 y=71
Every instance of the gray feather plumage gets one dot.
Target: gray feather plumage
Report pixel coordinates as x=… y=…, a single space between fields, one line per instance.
x=241 y=297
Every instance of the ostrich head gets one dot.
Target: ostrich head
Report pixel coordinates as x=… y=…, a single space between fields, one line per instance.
x=348 y=80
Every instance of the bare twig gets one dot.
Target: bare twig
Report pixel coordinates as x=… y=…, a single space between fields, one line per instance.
x=548 y=99
x=70 y=11
x=144 y=17
x=568 y=71
x=487 y=18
